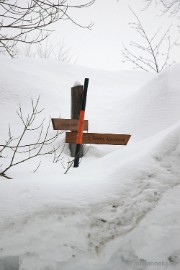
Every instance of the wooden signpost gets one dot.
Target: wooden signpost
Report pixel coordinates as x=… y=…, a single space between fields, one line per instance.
x=67 y=124
x=99 y=138
x=77 y=137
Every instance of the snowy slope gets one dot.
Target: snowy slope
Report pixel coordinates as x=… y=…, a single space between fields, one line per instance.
x=120 y=208
x=153 y=108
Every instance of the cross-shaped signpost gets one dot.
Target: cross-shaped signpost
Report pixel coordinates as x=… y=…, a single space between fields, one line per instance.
x=78 y=126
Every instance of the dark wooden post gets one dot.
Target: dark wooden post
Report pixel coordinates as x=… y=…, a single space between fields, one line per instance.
x=76 y=99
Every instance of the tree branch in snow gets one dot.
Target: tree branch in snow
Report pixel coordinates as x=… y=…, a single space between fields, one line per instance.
x=150 y=53
x=47 y=50
x=16 y=151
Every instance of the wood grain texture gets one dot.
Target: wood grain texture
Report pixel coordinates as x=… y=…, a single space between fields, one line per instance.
x=67 y=124
x=76 y=100
x=99 y=138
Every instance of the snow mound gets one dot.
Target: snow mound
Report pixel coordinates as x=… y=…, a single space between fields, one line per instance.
x=120 y=208
x=152 y=108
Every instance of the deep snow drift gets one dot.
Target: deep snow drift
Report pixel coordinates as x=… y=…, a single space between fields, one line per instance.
x=120 y=208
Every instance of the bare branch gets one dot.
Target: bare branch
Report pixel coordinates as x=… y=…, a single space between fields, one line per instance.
x=170 y=6
x=149 y=53
x=27 y=22
x=21 y=152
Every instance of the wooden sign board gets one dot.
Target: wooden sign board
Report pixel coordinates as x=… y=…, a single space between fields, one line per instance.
x=67 y=124
x=99 y=138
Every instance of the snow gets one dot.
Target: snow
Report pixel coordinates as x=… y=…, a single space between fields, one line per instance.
x=120 y=208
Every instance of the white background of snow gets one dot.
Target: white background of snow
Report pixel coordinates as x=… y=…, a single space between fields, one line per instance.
x=122 y=204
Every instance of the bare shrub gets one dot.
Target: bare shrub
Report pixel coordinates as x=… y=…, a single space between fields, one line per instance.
x=149 y=53
x=16 y=151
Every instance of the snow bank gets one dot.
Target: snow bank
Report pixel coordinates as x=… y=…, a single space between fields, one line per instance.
x=152 y=108
x=120 y=208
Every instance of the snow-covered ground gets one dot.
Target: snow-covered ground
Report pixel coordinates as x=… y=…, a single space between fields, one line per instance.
x=120 y=209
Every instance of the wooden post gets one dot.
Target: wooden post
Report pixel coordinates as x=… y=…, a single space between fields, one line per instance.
x=76 y=99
